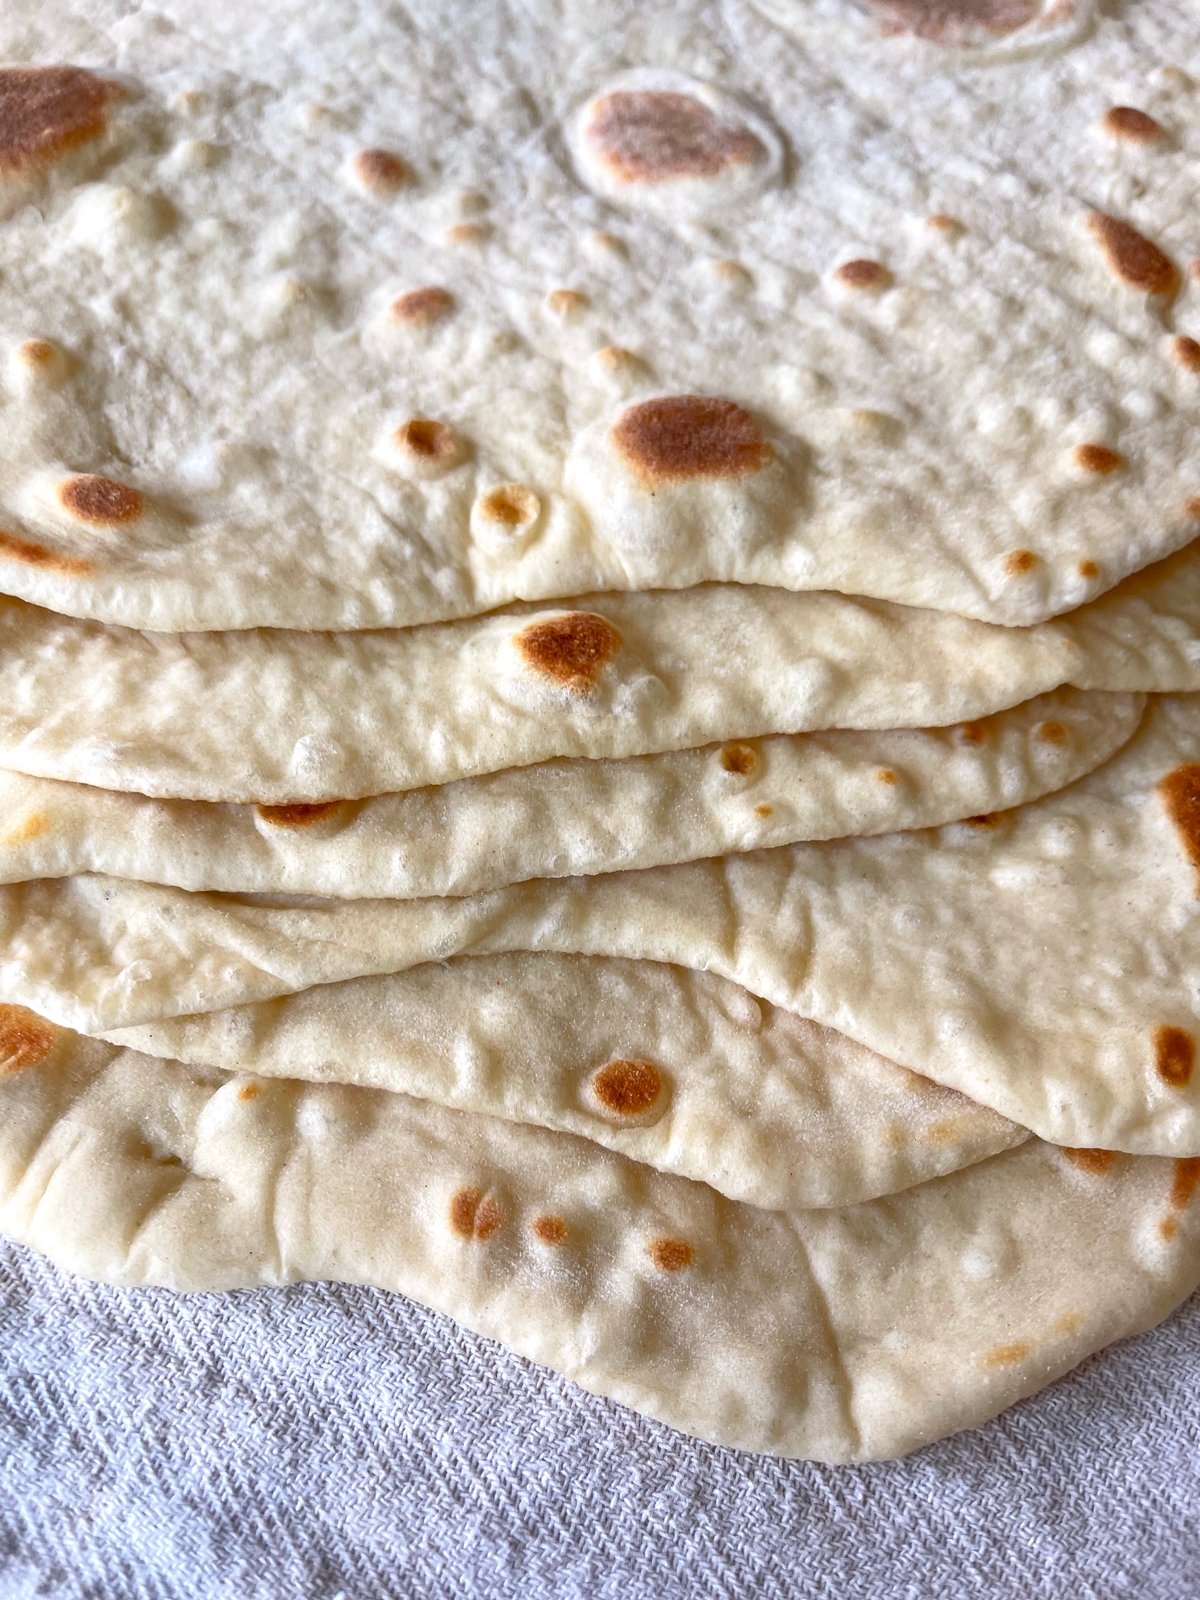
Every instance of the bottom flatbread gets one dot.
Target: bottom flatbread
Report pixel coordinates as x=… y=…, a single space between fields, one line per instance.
x=838 y=1335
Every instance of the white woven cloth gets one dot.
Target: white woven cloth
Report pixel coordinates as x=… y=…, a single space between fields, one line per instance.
x=336 y=1444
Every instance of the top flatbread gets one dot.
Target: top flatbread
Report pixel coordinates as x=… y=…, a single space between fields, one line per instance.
x=369 y=316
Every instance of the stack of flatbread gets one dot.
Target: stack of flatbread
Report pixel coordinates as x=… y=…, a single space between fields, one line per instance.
x=600 y=680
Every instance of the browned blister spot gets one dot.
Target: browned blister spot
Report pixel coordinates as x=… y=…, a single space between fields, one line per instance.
x=942 y=222
x=683 y=436
x=468 y=233
x=37 y=555
x=738 y=758
x=670 y=1255
x=616 y=358
x=549 y=1229
x=628 y=1088
x=658 y=136
x=1131 y=125
x=1186 y=1182
x=31 y=826
x=566 y=302
x=46 y=111
x=1187 y=352
x=1007 y=1355
x=25 y=1038
x=1191 y=508
x=1180 y=793
x=572 y=649
x=425 y=440
x=101 y=501
x=885 y=775
x=249 y=1091
x=984 y=819
x=1018 y=562
x=1174 y=1055
x=973 y=732
x=511 y=505
x=298 y=814
x=764 y=811
x=953 y=22
x=1097 y=458
x=419 y=307
x=1089 y=1160
x=1069 y=1322
x=474 y=1214
x=380 y=171
x=863 y=274
x=1088 y=569
x=1132 y=257
x=36 y=353
x=1052 y=733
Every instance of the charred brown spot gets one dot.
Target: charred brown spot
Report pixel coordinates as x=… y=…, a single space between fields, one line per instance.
x=550 y=1230
x=863 y=274
x=1052 y=733
x=566 y=302
x=1180 y=792
x=301 y=814
x=1174 y=1055
x=1098 y=458
x=885 y=775
x=628 y=1088
x=1185 y=1182
x=670 y=1255
x=685 y=436
x=512 y=505
x=426 y=440
x=475 y=1215
x=973 y=732
x=1191 y=508
x=1007 y=1355
x=984 y=819
x=249 y=1091
x=101 y=501
x=380 y=171
x=1187 y=352
x=37 y=555
x=25 y=1038
x=36 y=352
x=764 y=811
x=738 y=758
x=572 y=650
x=1018 y=562
x=659 y=136
x=1094 y=1161
x=1088 y=569
x=1131 y=125
x=419 y=307
x=46 y=111
x=1132 y=257
x=468 y=233
x=954 y=22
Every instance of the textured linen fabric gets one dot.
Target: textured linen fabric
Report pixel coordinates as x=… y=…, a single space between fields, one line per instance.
x=327 y=1443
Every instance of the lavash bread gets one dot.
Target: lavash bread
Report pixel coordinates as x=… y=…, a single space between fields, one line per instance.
x=288 y=339
x=1038 y=961
x=674 y=1068
x=524 y=305
x=841 y=1335
x=291 y=717
x=567 y=817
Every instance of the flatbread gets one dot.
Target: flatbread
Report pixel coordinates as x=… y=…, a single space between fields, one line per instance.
x=976 y=395
x=675 y=1068
x=288 y=717
x=567 y=817
x=1039 y=961
x=847 y=1334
